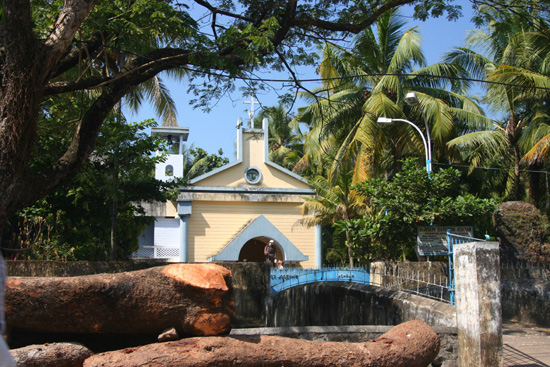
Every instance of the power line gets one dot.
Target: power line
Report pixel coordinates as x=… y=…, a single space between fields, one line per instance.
x=318 y=80
x=489 y=168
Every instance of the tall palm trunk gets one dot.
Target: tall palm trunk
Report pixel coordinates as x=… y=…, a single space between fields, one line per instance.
x=348 y=245
x=513 y=132
x=517 y=159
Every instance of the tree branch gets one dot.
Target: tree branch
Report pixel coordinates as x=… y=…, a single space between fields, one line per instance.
x=345 y=27
x=65 y=27
x=90 y=48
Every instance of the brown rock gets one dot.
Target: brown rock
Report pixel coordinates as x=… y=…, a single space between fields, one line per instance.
x=519 y=228
x=196 y=299
x=411 y=344
x=51 y=355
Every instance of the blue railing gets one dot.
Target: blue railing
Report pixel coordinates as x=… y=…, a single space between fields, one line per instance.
x=454 y=239
x=282 y=279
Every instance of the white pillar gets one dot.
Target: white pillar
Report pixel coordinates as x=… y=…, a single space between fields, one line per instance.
x=318 y=247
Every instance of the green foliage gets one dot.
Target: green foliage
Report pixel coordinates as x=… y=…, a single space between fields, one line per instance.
x=36 y=240
x=76 y=221
x=408 y=200
x=197 y=161
x=201 y=162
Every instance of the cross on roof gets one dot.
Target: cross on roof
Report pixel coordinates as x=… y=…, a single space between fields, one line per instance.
x=252 y=102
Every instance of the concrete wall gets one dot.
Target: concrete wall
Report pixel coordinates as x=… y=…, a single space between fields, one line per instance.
x=478 y=304
x=525 y=288
x=526 y=300
x=343 y=303
x=526 y=293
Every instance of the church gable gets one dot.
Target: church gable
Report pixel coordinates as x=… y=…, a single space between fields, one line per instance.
x=252 y=167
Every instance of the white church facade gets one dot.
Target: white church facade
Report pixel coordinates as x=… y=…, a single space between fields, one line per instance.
x=231 y=213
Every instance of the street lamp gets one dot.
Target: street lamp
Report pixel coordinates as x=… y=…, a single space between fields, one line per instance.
x=412 y=100
x=427 y=145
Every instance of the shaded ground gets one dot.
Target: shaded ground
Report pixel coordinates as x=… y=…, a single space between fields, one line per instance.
x=525 y=345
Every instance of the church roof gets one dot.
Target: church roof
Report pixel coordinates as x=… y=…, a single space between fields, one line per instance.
x=252 y=153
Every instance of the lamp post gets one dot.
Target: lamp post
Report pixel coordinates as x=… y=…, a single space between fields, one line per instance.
x=427 y=144
x=412 y=100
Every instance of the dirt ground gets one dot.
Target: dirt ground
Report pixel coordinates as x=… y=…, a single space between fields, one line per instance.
x=525 y=345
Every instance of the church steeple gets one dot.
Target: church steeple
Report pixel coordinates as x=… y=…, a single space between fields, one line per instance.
x=172 y=167
x=172 y=132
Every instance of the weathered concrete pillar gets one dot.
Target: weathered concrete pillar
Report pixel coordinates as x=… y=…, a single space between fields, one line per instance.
x=479 y=320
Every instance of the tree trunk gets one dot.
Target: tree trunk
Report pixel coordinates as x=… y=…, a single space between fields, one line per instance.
x=517 y=172
x=411 y=344
x=114 y=211
x=196 y=299
x=534 y=182
x=51 y=355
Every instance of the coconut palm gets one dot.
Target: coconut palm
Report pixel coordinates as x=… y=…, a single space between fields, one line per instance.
x=510 y=58
x=285 y=139
x=372 y=80
x=335 y=200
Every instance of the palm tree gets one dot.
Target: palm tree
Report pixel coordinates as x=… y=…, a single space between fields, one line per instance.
x=371 y=81
x=516 y=58
x=285 y=139
x=335 y=200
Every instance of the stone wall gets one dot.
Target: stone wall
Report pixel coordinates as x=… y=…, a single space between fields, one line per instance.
x=22 y=268
x=526 y=293
x=344 y=303
x=526 y=300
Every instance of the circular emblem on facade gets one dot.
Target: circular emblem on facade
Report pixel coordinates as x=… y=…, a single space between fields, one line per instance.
x=252 y=175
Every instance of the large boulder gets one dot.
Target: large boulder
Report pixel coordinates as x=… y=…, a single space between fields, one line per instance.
x=195 y=299
x=520 y=230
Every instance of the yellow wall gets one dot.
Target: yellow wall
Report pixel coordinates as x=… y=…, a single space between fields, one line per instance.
x=214 y=224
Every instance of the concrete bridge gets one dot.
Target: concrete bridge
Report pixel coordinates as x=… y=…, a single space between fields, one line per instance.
x=325 y=303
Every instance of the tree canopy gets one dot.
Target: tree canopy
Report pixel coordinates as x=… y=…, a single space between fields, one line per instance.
x=101 y=51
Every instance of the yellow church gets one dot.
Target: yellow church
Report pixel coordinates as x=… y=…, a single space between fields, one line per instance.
x=231 y=213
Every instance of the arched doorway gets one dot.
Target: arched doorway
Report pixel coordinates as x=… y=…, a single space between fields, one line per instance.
x=253 y=250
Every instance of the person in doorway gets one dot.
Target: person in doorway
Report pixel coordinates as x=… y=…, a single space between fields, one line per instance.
x=269 y=252
x=280 y=265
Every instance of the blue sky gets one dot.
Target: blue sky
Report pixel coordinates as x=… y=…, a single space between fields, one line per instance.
x=217 y=129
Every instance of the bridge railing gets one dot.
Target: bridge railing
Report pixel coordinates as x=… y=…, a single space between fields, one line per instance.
x=421 y=283
x=282 y=279
x=434 y=286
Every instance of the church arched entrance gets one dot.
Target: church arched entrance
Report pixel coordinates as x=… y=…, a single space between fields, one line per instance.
x=253 y=250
